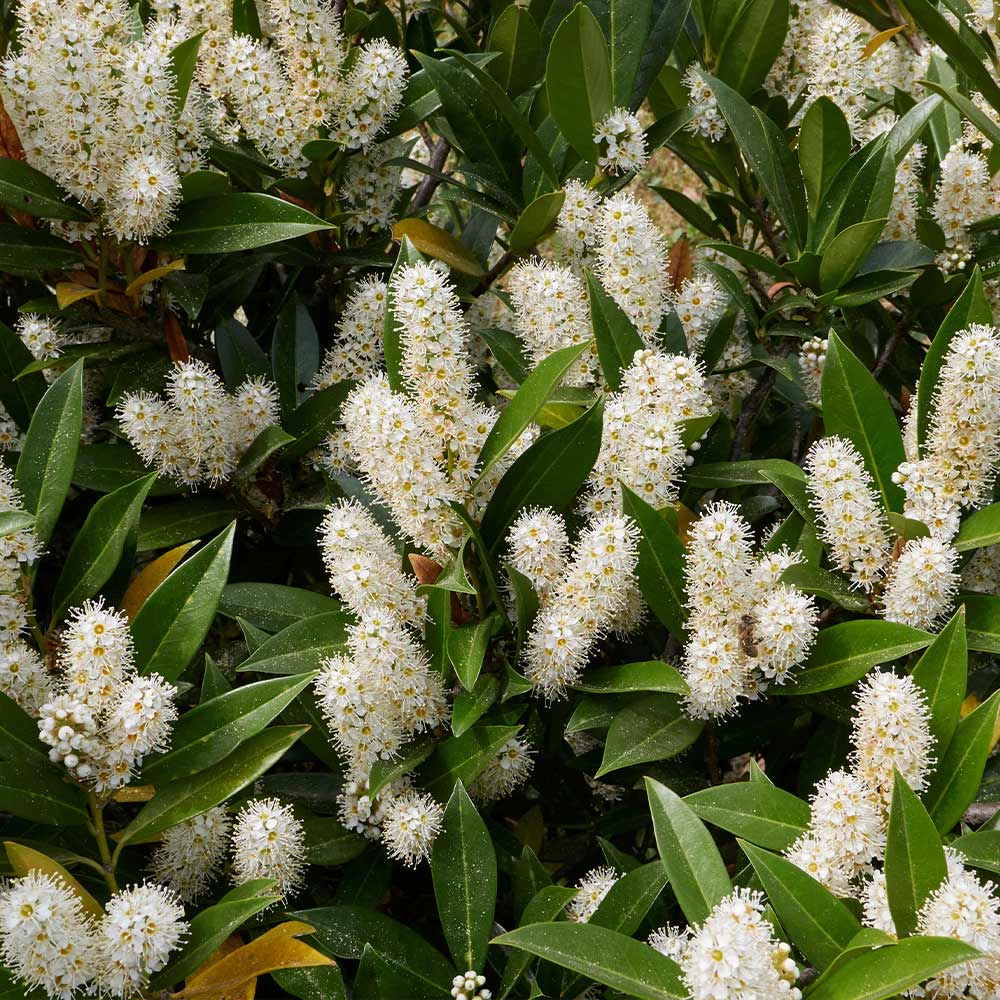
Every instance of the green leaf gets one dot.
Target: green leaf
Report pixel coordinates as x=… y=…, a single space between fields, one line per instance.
x=273 y=606
x=462 y=758
x=19 y=396
x=756 y=811
x=846 y=252
x=765 y=149
x=960 y=769
x=844 y=653
x=264 y=446
x=40 y=795
x=715 y=474
x=170 y=524
x=313 y=420
x=942 y=673
x=314 y=981
x=981 y=849
x=233 y=222
x=516 y=37
x=544 y=906
x=98 y=546
x=464 y=871
x=578 y=79
x=19 y=742
x=209 y=929
x=175 y=618
x=522 y=409
x=240 y=355
x=752 y=43
x=345 y=930
x=649 y=675
x=660 y=570
x=467 y=648
x=537 y=219
x=26 y=189
x=45 y=467
x=328 y=843
x=652 y=727
x=697 y=873
x=470 y=706
x=294 y=353
x=970 y=307
x=617 y=339
x=186 y=797
x=302 y=646
x=12 y=521
x=602 y=955
x=33 y=251
x=183 y=61
x=212 y=731
x=855 y=407
x=828 y=585
x=886 y=972
x=548 y=474
x=667 y=19
x=820 y=924
x=915 y=864
x=411 y=756
x=982 y=622
x=979 y=530
x=824 y=147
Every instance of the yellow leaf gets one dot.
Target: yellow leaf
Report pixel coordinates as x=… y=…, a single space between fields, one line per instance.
x=68 y=292
x=275 y=949
x=153 y=275
x=438 y=243
x=245 y=991
x=134 y=793
x=877 y=41
x=26 y=859
x=151 y=577
x=685 y=519
x=969 y=705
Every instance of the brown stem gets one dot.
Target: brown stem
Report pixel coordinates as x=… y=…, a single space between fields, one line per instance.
x=430 y=184
x=889 y=350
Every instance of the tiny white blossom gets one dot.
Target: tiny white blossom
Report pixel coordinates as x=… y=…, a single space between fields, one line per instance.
x=269 y=842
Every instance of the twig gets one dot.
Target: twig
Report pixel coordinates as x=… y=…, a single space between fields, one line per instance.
x=494 y=272
x=430 y=184
x=902 y=21
x=887 y=352
x=753 y=405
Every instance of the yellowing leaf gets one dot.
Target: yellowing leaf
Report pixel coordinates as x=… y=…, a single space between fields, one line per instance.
x=685 y=519
x=26 y=859
x=151 y=577
x=68 y=292
x=275 y=949
x=245 y=991
x=153 y=274
x=877 y=41
x=134 y=793
x=969 y=705
x=438 y=243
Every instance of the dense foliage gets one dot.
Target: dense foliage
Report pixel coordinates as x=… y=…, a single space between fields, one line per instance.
x=498 y=499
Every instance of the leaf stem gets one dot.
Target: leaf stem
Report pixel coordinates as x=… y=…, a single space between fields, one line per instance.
x=109 y=861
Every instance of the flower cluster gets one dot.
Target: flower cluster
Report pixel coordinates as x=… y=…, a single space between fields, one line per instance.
x=268 y=841
x=966 y=193
x=707 y=120
x=733 y=953
x=200 y=431
x=191 y=853
x=592 y=596
x=921 y=584
x=642 y=444
x=622 y=144
x=591 y=890
x=747 y=628
x=49 y=940
x=101 y=718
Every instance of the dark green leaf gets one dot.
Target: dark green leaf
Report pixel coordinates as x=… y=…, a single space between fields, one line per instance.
x=756 y=811
x=302 y=646
x=941 y=672
x=26 y=189
x=41 y=795
x=653 y=727
x=823 y=148
x=617 y=339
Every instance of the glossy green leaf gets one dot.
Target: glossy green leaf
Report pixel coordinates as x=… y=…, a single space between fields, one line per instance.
x=543 y=907
x=26 y=189
x=756 y=811
x=981 y=849
x=820 y=924
x=212 y=731
x=537 y=219
x=302 y=646
x=516 y=37
x=652 y=727
x=846 y=252
x=844 y=653
x=273 y=606
x=467 y=647
x=824 y=146
x=979 y=530
x=696 y=871
x=602 y=955
x=34 y=251
x=45 y=467
x=464 y=872
x=648 y=675
x=752 y=43
x=411 y=756
x=960 y=769
x=233 y=222
x=915 y=864
x=329 y=843
x=183 y=62
x=175 y=618
x=179 y=800
x=855 y=407
x=942 y=672
x=170 y=524
x=19 y=742
x=982 y=622
x=40 y=795
x=462 y=758
x=617 y=338
x=98 y=546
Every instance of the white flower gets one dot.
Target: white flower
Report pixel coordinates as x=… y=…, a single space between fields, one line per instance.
x=965 y=194
x=358 y=347
x=191 y=853
x=413 y=820
x=707 y=121
x=46 y=936
x=145 y=198
x=812 y=358
x=577 y=222
x=875 y=903
x=734 y=954
x=95 y=653
x=269 y=842
x=538 y=548
x=891 y=731
x=836 y=64
x=852 y=523
x=591 y=890
x=621 y=142
x=40 y=334
x=140 y=928
x=371 y=94
x=23 y=676
x=922 y=583
x=504 y=773
x=470 y=986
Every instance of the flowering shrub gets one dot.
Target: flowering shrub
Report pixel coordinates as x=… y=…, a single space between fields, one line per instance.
x=499 y=500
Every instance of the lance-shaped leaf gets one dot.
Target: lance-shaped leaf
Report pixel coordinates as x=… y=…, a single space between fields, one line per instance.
x=942 y=672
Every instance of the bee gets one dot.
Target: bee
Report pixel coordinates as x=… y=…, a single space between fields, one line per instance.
x=748 y=640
